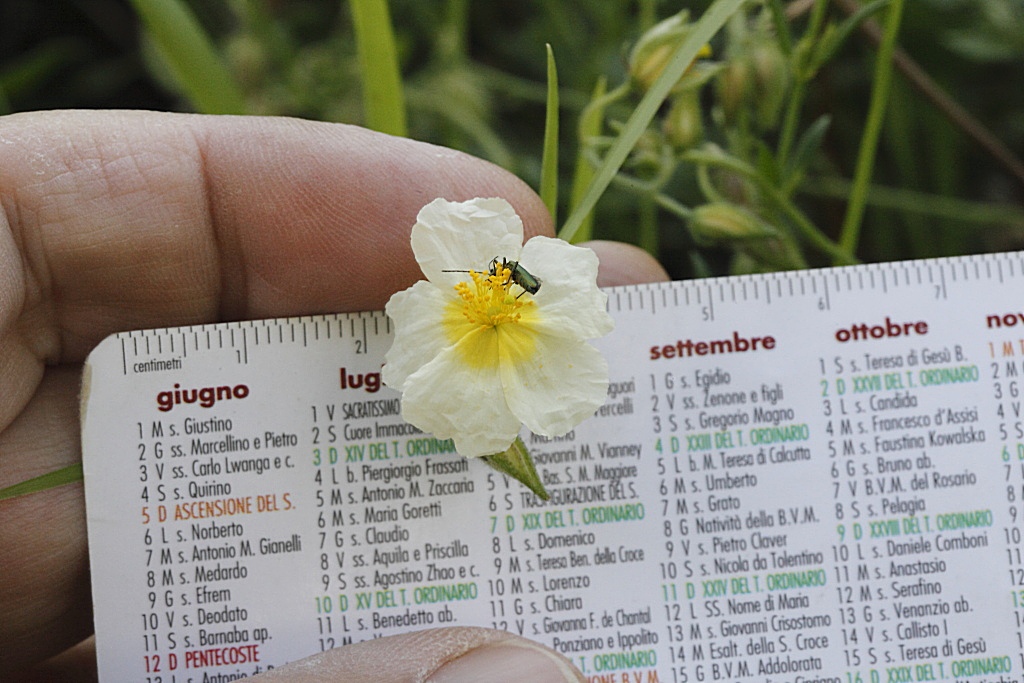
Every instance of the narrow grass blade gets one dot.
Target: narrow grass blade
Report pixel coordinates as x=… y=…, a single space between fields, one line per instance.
x=383 y=97
x=549 y=162
x=190 y=55
x=65 y=475
x=705 y=28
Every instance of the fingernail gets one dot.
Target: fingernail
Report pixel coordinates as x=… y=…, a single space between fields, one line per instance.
x=508 y=662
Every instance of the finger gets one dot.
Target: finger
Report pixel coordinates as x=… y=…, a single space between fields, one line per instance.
x=625 y=264
x=138 y=219
x=123 y=220
x=450 y=655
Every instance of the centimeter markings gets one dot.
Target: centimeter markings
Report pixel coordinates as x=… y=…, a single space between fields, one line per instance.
x=822 y=287
x=709 y=296
x=242 y=337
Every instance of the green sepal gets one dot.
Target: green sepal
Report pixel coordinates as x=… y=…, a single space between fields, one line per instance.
x=517 y=463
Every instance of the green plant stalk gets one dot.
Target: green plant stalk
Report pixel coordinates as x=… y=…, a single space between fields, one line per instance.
x=64 y=475
x=781 y=26
x=706 y=27
x=807 y=229
x=589 y=127
x=791 y=121
x=383 y=98
x=796 y=98
x=901 y=137
x=673 y=206
x=549 y=159
x=850 y=233
x=456 y=26
x=189 y=54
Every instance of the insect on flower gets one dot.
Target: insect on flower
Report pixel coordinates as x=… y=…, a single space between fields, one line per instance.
x=516 y=273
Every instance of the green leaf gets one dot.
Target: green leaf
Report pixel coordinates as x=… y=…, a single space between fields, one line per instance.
x=549 y=161
x=781 y=24
x=517 y=463
x=806 y=147
x=383 y=98
x=708 y=25
x=190 y=56
x=65 y=475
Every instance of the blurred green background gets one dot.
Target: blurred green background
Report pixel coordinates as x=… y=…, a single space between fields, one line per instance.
x=757 y=146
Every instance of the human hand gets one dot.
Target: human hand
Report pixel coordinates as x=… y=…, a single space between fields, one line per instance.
x=123 y=220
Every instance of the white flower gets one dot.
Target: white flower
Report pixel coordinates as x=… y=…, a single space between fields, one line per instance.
x=475 y=355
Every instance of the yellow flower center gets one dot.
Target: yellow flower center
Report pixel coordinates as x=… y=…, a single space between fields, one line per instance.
x=488 y=301
x=488 y=324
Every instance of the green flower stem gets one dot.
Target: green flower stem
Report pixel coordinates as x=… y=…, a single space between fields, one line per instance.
x=806 y=228
x=796 y=98
x=64 y=475
x=517 y=463
x=673 y=207
x=707 y=187
x=703 y=31
x=850 y=234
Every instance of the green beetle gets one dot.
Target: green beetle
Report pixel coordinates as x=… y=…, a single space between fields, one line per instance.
x=517 y=274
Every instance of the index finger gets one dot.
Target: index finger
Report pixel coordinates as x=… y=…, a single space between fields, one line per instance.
x=141 y=219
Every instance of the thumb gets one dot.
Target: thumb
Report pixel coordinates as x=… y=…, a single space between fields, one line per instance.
x=447 y=655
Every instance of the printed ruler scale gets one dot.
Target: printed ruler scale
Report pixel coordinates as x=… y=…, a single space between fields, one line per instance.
x=810 y=476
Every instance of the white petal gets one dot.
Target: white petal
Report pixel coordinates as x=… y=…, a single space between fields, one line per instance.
x=451 y=399
x=463 y=236
x=416 y=314
x=569 y=301
x=562 y=383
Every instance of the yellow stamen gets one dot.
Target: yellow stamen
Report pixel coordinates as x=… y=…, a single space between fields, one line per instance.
x=487 y=301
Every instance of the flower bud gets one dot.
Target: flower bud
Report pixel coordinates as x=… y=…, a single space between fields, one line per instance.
x=734 y=84
x=773 y=253
x=771 y=81
x=720 y=222
x=683 y=126
x=655 y=48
